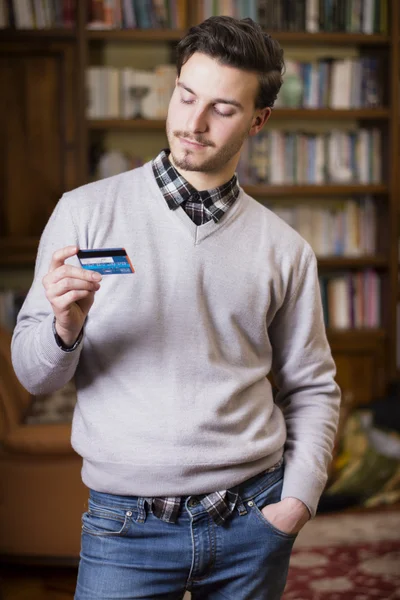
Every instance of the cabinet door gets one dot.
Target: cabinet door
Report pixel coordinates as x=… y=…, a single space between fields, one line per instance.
x=38 y=135
x=361 y=370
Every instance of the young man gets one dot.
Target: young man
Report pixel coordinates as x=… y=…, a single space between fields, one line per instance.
x=199 y=479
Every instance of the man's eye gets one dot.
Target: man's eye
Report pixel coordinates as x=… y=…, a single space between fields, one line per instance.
x=221 y=114
x=186 y=100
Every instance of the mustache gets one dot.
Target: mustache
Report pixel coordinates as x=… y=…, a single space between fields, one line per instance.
x=191 y=138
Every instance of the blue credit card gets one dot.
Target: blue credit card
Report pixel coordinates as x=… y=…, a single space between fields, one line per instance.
x=106 y=261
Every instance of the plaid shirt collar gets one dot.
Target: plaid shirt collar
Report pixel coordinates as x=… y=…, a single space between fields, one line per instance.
x=176 y=189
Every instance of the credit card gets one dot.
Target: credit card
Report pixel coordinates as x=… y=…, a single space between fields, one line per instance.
x=106 y=261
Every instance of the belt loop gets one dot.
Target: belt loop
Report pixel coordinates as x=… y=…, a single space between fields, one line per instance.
x=241 y=507
x=141 y=510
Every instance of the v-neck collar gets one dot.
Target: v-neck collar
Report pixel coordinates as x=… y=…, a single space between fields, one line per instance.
x=196 y=233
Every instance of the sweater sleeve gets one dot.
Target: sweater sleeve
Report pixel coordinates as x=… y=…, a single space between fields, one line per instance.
x=39 y=363
x=308 y=395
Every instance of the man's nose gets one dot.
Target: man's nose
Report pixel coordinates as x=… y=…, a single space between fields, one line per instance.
x=197 y=122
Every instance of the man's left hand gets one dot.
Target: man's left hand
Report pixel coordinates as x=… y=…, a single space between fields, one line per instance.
x=289 y=515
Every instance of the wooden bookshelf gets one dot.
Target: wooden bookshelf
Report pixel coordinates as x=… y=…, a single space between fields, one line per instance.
x=353 y=262
x=174 y=35
x=135 y=35
x=331 y=38
x=19 y=252
x=126 y=124
x=9 y=34
x=65 y=54
x=361 y=336
x=284 y=37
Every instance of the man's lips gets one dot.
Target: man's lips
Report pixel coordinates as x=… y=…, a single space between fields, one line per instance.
x=192 y=143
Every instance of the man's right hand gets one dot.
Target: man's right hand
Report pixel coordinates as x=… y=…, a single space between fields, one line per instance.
x=70 y=291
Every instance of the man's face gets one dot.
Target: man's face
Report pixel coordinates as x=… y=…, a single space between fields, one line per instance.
x=210 y=114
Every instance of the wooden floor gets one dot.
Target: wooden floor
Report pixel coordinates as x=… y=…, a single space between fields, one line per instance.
x=37 y=583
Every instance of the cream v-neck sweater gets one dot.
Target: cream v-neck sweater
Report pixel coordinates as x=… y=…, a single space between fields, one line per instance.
x=171 y=375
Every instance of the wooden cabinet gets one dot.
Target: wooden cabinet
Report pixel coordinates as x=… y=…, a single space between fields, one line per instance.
x=362 y=364
x=38 y=132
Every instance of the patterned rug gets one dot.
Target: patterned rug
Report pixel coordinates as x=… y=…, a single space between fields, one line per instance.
x=347 y=557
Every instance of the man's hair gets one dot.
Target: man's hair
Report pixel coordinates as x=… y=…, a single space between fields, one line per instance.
x=241 y=44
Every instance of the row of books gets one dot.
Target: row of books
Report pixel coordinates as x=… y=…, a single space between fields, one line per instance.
x=352 y=16
x=142 y=14
x=351 y=300
x=37 y=14
x=289 y=157
x=128 y=93
x=332 y=83
x=336 y=228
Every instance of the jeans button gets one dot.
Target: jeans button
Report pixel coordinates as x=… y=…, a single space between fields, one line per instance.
x=193 y=502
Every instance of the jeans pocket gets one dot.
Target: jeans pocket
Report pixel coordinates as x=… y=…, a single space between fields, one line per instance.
x=258 y=512
x=270 y=496
x=106 y=521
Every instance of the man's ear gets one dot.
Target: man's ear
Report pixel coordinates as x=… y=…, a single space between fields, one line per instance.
x=259 y=120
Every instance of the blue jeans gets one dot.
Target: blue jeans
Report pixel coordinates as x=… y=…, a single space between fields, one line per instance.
x=129 y=553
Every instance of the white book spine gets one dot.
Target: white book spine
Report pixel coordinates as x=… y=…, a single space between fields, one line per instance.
x=368 y=16
x=340 y=311
x=312 y=16
x=362 y=156
x=114 y=90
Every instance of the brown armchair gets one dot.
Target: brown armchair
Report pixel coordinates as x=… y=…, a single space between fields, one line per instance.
x=42 y=496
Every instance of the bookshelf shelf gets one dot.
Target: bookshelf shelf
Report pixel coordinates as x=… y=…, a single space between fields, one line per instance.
x=327 y=38
x=353 y=262
x=310 y=190
x=126 y=124
x=317 y=114
x=17 y=253
x=360 y=334
x=285 y=37
x=173 y=35
x=135 y=35
x=9 y=34
x=313 y=114
x=356 y=341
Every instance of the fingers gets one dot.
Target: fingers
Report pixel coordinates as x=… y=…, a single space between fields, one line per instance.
x=68 y=284
x=61 y=303
x=70 y=272
x=60 y=256
x=65 y=284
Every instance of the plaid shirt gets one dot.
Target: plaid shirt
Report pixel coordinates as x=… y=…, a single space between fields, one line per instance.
x=199 y=206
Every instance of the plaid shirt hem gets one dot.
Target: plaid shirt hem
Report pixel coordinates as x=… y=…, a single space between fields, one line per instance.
x=219 y=505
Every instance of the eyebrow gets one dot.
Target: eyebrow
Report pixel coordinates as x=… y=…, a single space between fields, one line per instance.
x=215 y=100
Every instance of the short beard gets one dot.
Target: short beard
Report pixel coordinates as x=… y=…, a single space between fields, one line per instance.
x=215 y=163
